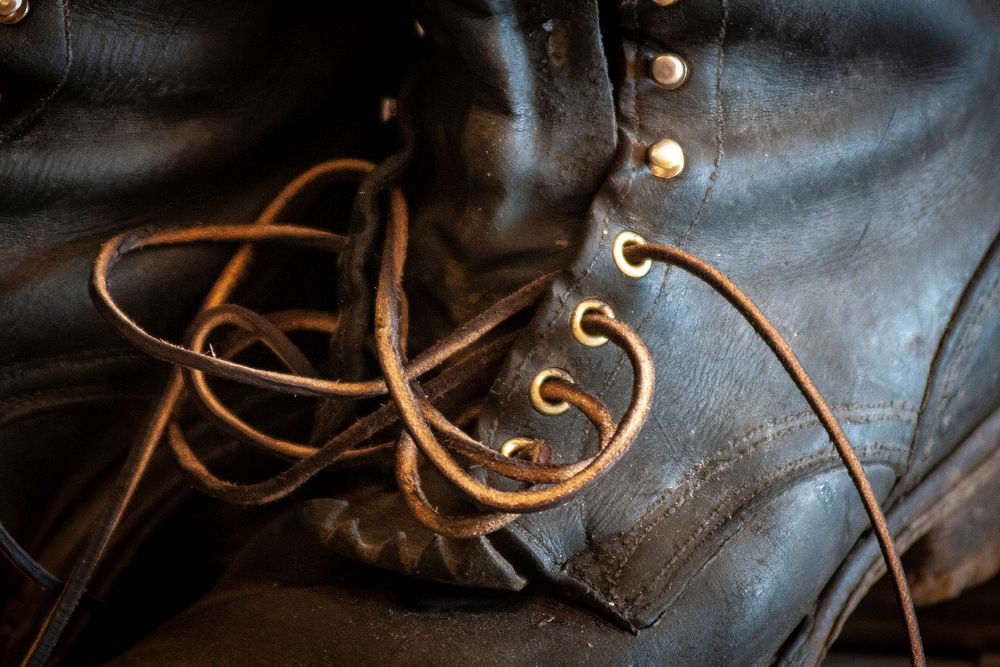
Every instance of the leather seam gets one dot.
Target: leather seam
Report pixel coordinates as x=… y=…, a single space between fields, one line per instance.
x=33 y=115
x=984 y=264
x=718 y=464
x=662 y=291
x=967 y=338
x=641 y=602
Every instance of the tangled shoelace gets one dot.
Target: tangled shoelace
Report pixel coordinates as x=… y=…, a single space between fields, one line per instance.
x=425 y=429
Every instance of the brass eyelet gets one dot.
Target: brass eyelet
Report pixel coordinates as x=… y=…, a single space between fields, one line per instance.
x=618 y=252
x=13 y=11
x=547 y=407
x=584 y=307
x=518 y=448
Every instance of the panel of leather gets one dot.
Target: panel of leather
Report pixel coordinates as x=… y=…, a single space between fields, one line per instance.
x=517 y=119
x=118 y=114
x=827 y=159
x=966 y=374
x=517 y=132
x=158 y=116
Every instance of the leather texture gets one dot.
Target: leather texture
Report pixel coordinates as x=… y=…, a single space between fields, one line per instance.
x=828 y=173
x=828 y=185
x=840 y=168
x=836 y=191
x=115 y=115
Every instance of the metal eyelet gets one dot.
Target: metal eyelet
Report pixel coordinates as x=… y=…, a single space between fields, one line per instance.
x=576 y=324
x=13 y=11
x=631 y=270
x=543 y=405
x=518 y=448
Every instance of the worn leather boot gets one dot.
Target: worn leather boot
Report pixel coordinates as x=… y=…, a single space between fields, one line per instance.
x=731 y=192
x=119 y=115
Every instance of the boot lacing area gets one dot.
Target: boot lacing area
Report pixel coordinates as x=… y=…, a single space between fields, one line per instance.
x=413 y=385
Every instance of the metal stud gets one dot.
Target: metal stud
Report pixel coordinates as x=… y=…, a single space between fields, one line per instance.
x=665 y=158
x=622 y=241
x=576 y=325
x=12 y=11
x=543 y=405
x=668 y=71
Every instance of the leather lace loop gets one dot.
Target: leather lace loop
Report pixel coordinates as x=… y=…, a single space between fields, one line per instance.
x=415 y=388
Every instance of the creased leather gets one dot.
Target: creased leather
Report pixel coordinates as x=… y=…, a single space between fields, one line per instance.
x=115 y=115
x=827 y=163
x=840 y=168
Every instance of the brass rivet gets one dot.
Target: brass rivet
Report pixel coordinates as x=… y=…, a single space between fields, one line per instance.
x=665 y=158
x=623 y=240
x=518 y=448
x=582 y=309
x=541 y=404
x=664 y=3
x=669 y=71
x=12 y=11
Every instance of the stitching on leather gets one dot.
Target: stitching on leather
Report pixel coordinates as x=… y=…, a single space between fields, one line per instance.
x=970 y=335
x=896 y=411
x=770 y=483
x=791 y=472
x=696 y=217
x=927 y=517
x=984 y=263
x=64 y=77
x=671 y=609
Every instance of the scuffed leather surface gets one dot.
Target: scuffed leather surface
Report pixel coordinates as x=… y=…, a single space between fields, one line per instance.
x=829 y=153
x=829 y=158
x=828 y=174
x=518 y=129
x=120 y=114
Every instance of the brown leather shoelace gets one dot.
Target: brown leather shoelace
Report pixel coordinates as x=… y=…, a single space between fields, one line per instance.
x=414 y=386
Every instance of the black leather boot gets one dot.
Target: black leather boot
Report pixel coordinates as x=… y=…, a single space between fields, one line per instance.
x=115 y=116
x=836 y=165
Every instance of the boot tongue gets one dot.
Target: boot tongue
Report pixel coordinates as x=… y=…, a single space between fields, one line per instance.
x=516 y=132
x=516 y=122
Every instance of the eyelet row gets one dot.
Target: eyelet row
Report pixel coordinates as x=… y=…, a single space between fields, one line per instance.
x=622 y=241
x=665 y=159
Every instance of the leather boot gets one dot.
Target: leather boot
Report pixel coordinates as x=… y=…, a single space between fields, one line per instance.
x=115 y=116
x=836 y=166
